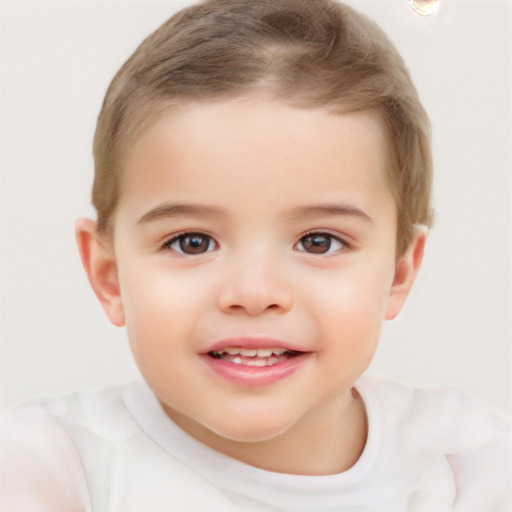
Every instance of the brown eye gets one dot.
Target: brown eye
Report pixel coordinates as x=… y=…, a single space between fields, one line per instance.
x=319 y=243
x=191 y=244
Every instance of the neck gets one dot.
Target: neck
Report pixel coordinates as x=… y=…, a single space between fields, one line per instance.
x=328 y=440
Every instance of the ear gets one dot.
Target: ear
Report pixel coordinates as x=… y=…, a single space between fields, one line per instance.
x=406 y=270
x=97 y=254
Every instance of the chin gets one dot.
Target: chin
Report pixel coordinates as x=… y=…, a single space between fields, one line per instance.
x=251 y=430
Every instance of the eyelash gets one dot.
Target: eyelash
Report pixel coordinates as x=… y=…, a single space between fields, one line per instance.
x=175 y=243
x=327 y=236
x=178 y=239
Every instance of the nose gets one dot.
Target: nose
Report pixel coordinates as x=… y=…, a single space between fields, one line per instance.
x=255 y=285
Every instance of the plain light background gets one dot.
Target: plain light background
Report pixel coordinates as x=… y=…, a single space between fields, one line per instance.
x=57 y=58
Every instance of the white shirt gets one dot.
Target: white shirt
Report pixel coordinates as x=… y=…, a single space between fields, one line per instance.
x=428 y=450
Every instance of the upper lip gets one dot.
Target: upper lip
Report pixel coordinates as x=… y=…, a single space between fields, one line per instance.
x=253 y=342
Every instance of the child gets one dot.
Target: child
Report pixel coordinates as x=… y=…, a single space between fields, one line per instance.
x=262 y=185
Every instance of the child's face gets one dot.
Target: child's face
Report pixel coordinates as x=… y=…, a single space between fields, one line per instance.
x=255 y=225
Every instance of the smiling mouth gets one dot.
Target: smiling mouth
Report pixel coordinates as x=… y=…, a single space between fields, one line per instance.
x=260 y=357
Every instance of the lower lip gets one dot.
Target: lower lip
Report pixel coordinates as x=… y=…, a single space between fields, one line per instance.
x=254 y=376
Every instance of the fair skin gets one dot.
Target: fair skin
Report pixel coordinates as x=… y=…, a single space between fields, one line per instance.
x=245 y=225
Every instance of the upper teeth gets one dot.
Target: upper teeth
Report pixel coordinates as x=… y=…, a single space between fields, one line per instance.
x=251 y=352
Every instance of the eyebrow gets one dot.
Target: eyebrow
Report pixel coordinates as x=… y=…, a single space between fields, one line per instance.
x=169 y=210
x=335 y=209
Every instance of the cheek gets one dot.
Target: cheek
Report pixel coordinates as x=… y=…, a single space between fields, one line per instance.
x=357 y=290
x=351 y=308
x=162 y=305
x=158 y=323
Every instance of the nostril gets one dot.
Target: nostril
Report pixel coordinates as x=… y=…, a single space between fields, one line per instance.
x=254 y=296
x=236 y=307
x=254 y=308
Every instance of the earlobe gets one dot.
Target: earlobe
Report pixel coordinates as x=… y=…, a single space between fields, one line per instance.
x=98 y=260
x=406 y=270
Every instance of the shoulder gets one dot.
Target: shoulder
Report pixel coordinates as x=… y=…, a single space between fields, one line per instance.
x=448 y=414
x=40 y=469
x=102 y=411
x=475 y=440
x=47 y=447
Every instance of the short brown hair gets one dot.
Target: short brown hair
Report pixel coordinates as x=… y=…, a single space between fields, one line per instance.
x=309 y=53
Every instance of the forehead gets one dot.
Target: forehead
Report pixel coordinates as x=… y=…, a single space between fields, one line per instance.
x=222 y=149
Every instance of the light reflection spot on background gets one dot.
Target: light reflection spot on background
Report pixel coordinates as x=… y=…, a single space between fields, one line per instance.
x=424 y=7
